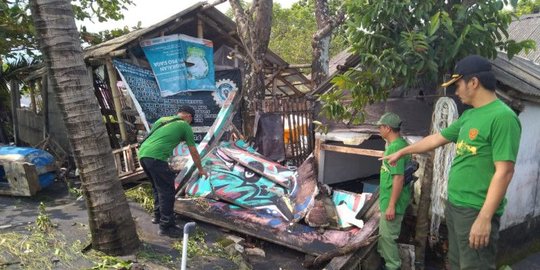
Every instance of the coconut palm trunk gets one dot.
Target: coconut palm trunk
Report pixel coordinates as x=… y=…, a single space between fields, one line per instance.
x=112 y=227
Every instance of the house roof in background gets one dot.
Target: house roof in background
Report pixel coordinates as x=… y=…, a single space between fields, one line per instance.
x=527 y=27
x=522 y=72
x=289 y=81
x=519 y=73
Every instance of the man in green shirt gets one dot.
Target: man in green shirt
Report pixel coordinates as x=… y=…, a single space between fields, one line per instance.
x=166 y=133
x=487 y=141
x=394 y=196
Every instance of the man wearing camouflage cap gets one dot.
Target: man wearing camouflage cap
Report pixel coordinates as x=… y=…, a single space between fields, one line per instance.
x=394 y=195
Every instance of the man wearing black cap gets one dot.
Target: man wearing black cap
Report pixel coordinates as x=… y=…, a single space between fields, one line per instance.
x=166 y=133
x=487 y=141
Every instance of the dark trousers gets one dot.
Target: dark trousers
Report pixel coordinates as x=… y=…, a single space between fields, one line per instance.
x=162 y=180
x=459 y=221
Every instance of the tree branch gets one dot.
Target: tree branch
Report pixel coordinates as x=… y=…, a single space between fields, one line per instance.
x=330 y=25
x=213 y=4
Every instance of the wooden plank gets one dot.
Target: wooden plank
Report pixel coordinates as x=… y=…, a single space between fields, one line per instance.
x=45 y=109
x=116 y=95
x=211 y=139
x=22 y=179
x=298 y=237
x=350 y=150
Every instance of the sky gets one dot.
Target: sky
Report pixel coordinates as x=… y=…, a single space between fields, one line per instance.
x=150 y=12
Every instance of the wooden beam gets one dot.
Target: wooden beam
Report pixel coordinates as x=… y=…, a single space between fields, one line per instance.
x=213 y=4
x=32 y=86
x=295 y=90
x=15 y=103
x=351 y=150
x=113 y=80
x=219 y=29
x=45 y=97
x=200 y=28
x=299 y=66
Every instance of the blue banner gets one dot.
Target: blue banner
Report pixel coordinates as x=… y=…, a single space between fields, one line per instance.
x=199 y=55
x=181 y=63
x=166 y=57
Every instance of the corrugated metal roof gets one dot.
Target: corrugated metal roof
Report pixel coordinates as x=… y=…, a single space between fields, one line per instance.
x=527 y=27
x=519 y=73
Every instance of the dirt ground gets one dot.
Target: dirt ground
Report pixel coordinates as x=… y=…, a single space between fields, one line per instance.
x=61 y=247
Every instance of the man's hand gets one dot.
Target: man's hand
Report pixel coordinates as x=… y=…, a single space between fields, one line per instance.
x=392 y=158
x=479 y=235
x=390 y=213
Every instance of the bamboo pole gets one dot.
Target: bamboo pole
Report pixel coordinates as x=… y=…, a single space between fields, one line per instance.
x=116 y=98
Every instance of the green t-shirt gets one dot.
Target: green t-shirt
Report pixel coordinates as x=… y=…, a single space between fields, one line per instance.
x=161 y=143
x=482 y=135
x=387 y=173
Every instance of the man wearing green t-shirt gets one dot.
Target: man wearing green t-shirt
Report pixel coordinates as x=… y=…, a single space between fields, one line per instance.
x=487 y=141
x=394 y=196
x=166 y=133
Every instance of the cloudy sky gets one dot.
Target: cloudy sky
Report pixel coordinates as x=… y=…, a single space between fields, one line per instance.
x=152 y=11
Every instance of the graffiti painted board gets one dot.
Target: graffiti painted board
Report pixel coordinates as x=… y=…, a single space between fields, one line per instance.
x=263 y=226
x=237 y=184
x=351 y=202
x=212 y=137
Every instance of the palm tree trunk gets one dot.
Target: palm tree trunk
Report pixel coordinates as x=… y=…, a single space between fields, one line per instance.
x=112 y=227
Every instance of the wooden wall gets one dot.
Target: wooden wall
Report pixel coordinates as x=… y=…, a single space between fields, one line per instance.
x=30 y=126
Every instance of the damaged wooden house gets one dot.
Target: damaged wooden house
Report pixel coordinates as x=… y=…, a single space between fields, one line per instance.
x=271 y=193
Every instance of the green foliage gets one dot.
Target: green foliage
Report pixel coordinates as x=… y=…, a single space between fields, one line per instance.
x=109 y=262
x=527 y=7
x=293 y=29
x=43 y=222
x=17 y=30
x=102 y=36
x=142 y=194
x=404 y=48
x=197 y=246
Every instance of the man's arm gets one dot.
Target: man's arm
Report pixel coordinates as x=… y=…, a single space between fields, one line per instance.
x=481 y=228
x=426 y=144
x=397 y=186
x=197 y=160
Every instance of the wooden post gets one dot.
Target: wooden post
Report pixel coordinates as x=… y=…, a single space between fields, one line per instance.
x=200 y=28
x=33 y=96
x=235 y=58
x=116 y=98
x=45 y=98
x=15 y=103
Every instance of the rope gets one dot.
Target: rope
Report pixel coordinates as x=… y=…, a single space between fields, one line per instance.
x=444 y=114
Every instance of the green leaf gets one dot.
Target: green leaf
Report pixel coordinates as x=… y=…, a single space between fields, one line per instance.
x=434 y=23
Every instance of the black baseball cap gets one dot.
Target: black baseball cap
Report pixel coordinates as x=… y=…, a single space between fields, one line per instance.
x=187 y=109
x=477 y=66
